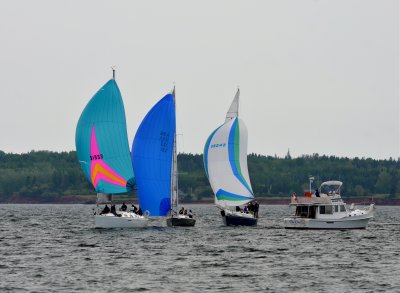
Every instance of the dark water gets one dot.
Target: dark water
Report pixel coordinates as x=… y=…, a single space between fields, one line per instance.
x=54 y=248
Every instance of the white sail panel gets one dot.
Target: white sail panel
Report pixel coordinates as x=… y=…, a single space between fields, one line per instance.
x=234 y=108
x=225 y=158
x=174 y=185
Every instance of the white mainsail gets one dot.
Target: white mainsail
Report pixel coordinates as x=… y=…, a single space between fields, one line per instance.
x=174 y=177
x=174 y=171
x=233 y=111
x=225 y=161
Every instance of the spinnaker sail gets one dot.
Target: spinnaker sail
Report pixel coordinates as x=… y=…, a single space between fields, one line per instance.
x=102 y=142
x=225 y=161
x=152 y=157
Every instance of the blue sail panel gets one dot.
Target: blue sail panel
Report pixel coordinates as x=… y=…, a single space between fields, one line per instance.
x=152 y=151
x=234 y=153
x=102 y=142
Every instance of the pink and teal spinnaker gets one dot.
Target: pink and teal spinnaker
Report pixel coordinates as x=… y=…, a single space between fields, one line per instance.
x=102 y=142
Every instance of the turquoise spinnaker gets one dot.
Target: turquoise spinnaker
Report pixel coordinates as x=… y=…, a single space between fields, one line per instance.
x=102 y=143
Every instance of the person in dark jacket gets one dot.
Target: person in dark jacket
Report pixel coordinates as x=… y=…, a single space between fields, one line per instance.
x=113 y=211
x=123 y=207
x=106 y=210
x=134 y=209
x=256 y=207
x=317 y=192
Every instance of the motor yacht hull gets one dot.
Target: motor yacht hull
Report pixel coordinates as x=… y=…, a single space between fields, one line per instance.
x=110 y=221
x=180 y=222
x=341 y=224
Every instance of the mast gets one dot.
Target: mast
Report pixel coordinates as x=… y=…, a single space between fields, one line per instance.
x=174 y=177
x=113 y=70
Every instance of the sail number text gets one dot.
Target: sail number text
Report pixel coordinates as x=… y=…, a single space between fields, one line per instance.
x=218 y=145
x=164 y=137
x=96 y=157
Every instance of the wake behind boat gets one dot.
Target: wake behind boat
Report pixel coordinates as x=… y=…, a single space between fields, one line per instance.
x=103 y=152
x=326 y=210
x=225 y=163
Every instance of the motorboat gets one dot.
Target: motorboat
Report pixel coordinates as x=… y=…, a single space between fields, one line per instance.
x=327 y=210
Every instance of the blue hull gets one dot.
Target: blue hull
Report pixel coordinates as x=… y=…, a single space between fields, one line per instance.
x=231 y=220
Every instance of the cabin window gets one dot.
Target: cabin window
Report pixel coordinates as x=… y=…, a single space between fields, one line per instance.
x=302 y=211
x=342 y=208
x=326 y=210
x=336 y=209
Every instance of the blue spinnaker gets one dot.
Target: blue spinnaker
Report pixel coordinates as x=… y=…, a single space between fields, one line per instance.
x=152 y=152
x=102 y=143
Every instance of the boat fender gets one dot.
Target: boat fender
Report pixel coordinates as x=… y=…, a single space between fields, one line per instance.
x=146 y=213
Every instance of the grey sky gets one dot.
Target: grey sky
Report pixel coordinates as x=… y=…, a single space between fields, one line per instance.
x=315 y=76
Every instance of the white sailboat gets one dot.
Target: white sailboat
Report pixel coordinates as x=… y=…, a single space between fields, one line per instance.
x=154 y=157
x=176 y=218
x=225 y=162
x=103 y=152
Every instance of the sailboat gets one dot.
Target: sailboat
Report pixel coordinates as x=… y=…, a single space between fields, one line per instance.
x=225 y=163
x=154 y=159
x=103 y=153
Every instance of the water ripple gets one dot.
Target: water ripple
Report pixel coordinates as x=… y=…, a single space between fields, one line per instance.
x=54 y=248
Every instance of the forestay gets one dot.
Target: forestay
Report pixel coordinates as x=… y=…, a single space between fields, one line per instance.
x=102 y=142
x=152 y=152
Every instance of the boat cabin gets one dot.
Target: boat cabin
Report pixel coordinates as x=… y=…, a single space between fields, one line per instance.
x=325 y=205
x=319 y=210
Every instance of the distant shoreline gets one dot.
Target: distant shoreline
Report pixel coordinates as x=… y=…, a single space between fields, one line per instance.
x=91 y=199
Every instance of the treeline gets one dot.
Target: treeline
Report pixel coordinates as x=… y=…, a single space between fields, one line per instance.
x=48 y=175
x=273 y=176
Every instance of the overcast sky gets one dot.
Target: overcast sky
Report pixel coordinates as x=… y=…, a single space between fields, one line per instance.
x=315 y=76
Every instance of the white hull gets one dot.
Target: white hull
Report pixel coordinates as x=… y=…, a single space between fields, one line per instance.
x=127 y=220
x=355 y=222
